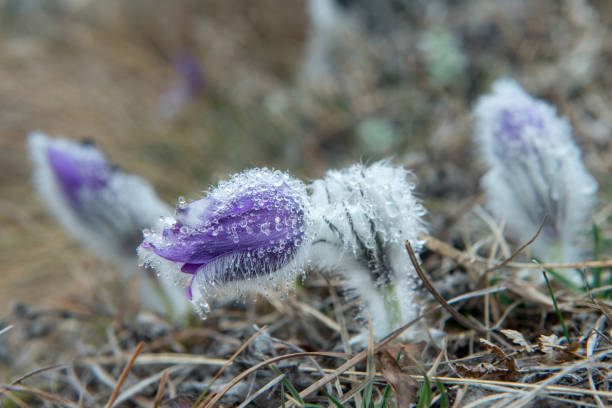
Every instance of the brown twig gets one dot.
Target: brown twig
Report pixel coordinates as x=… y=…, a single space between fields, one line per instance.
x=124 y=375
x=517 y=252
x=458 y=316
x=383 y=343
x=245 y=373
x=162 y=387
x=204 y=402
x=462 y=258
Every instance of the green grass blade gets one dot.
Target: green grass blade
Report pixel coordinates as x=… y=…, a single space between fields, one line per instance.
x=596 y=248
x=290 y=388
x=385 y=398
x=333 y=399
x=444 y=403
x=561 y=279
x=367 y=395
x=425 y=394
x=559 y=315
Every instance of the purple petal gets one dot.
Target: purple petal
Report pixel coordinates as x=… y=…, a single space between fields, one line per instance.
x=78 y=170
x=510 y=137
x=239 y=232
x=191 y=269
x=188 y=291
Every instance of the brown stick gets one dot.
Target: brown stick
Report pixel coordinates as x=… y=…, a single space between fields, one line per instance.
x=474 y=325
x=124 y=375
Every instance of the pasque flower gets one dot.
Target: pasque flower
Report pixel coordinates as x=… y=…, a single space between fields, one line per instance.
x=102 y=207
x=247 y=234
x=535 y=171
x=363 y=217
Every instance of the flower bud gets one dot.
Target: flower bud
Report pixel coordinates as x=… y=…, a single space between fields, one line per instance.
x=364 y=216
x=248 y=234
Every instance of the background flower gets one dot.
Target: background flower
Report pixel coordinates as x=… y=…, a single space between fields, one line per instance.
x=103 y=208
x=535 y=170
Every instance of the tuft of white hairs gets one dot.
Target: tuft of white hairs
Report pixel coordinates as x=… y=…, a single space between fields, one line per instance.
x=535 y=170
x=111 y=220
x=363 y=217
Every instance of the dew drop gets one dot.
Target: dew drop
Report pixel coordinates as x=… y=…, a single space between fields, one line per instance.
x=265 y=228
x=202 y=308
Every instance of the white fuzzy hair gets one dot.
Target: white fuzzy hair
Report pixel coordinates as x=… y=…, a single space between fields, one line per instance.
x=363 y=217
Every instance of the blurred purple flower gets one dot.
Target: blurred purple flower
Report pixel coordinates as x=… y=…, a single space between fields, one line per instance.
x=247 y=234
x=98 y=204
x=187 y=84
x=102 y=207
x=534 y=171
x=77 y=174
x=191 y=73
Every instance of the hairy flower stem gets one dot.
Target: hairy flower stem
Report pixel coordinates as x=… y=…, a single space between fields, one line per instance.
x=392 y=307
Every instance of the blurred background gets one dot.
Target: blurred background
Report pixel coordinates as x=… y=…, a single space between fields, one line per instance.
x=186 y=92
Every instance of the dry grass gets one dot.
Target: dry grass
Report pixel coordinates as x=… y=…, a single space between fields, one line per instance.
x=69 y=336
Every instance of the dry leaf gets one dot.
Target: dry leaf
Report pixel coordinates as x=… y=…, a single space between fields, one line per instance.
x=517 y=338
x=511 y=367
x=495 y=349
x=405 y=387
x=481 y=370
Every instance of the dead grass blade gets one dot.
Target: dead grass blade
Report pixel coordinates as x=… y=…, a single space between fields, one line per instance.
x=263 y=389
x=462 y=258
x=273 y=360
x=124 y=375
x=357 y=358
x=518 y=251
x=5 y=329
x=309 y=310
x=160 y=390
x=158 y=358
x=38 y=371
x=202 y=401
x=142 y=384
x=44 y=395
x=476 y=326
x=369 y=377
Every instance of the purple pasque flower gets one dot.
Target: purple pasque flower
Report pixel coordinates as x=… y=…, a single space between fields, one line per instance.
x=535 y=171
x=247 y=234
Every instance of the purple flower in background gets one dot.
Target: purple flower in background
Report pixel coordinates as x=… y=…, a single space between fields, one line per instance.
x=189 y=81
x=248 y=234
x=534 y=171
x=85 y=172
x=102 y=207
x=190 y=72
